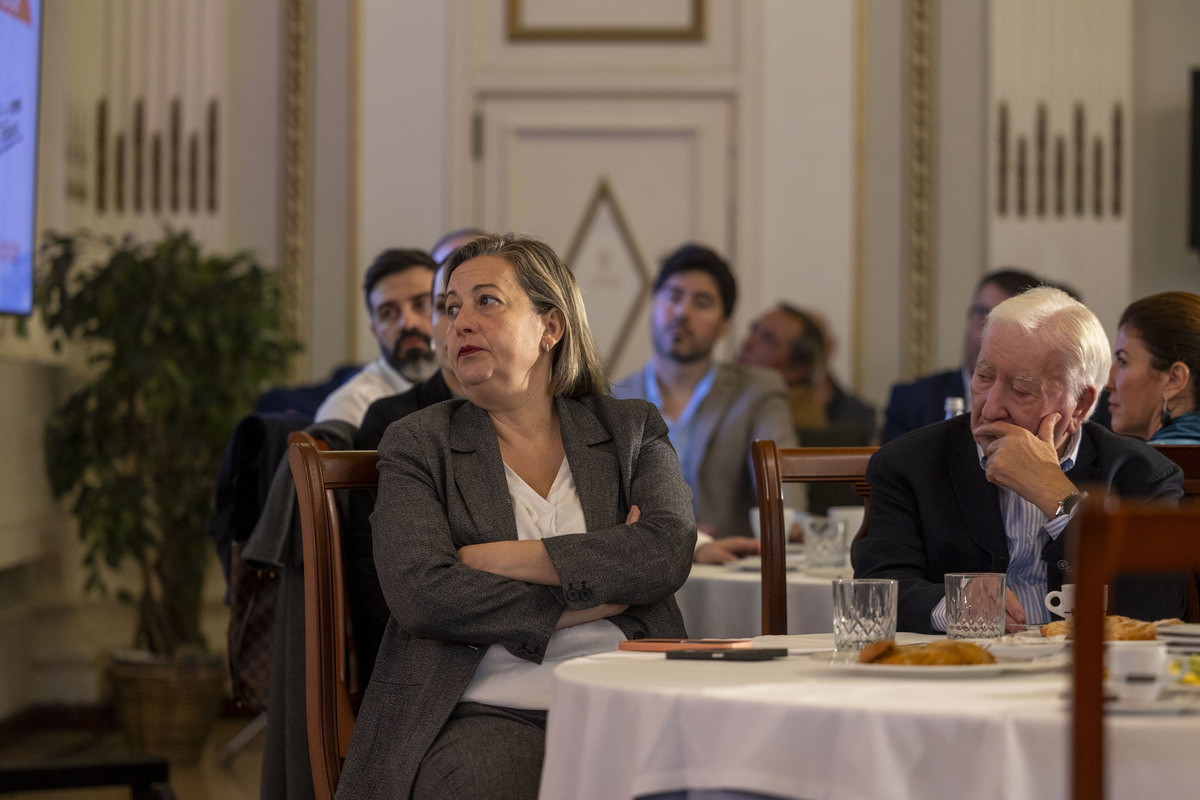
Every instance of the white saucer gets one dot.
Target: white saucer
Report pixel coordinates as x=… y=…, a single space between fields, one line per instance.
x=754 y=564
x=1022 y=645
x=1163 y=705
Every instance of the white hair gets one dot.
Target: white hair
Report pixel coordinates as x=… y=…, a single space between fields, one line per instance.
x=1069 y=328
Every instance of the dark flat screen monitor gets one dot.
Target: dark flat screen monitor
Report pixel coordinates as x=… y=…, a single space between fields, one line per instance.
x=20 y=73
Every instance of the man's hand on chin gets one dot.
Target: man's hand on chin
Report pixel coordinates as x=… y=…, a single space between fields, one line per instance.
x=1025 y=463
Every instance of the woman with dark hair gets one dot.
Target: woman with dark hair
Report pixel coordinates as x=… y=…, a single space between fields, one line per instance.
x=1154 y=392
x=537 y=520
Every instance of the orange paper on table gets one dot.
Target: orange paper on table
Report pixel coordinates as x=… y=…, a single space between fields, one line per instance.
x=663 y=645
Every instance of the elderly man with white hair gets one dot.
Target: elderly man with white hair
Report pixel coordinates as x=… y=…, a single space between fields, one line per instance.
x=995 y=491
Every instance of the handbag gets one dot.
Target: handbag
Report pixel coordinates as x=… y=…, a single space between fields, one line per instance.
x=253 y=596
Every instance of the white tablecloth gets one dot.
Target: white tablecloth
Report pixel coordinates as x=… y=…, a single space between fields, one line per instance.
x=722 y=602
x=623 y=725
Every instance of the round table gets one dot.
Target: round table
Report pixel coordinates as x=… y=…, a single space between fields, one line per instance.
x=725 y=602
x=625 y=725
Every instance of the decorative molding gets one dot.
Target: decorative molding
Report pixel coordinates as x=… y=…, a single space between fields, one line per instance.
x=861 y=109
x=522 y=28
x=1059 y=104
x=155 y=156
x=353 y=284
x=922 y=48
x=294 y=252
x=1036 y=163
x=591 y=274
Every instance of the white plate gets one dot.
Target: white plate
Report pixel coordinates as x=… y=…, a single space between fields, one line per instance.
x=1023 y=645
x=1187 y=630
x=754 y=564
x=830 y=572
x=950 y=671
x=1183 y=688
x=1163 y=705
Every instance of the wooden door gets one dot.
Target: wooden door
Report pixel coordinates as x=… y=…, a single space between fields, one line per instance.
x=613 y=184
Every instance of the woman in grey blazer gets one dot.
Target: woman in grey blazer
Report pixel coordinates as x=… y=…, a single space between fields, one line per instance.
x=539 y=519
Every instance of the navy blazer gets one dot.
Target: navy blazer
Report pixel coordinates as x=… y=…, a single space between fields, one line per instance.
x=933 y=511
x=920 y=403
x=442 y=486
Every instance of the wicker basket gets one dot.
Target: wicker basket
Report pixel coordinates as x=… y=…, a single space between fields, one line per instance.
x=167 y=708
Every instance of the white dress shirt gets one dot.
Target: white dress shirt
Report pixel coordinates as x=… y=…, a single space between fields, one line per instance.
x=350 y=401
x=502 y=679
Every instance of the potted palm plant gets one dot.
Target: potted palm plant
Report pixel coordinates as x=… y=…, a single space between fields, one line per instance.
x=178 y=344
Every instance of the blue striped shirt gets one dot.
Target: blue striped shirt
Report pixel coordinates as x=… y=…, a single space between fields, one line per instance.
x=1028 y=531
x=679 y=430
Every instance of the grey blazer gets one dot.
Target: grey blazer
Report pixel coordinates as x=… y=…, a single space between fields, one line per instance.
x=442 y=486
x=744 y=404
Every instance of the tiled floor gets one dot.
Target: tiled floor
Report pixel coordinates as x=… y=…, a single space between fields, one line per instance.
x=213 y=778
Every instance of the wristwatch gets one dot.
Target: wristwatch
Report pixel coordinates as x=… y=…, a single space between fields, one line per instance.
x=1067 y=504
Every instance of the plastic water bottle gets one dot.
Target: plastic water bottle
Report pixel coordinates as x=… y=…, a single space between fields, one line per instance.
x=954 y=407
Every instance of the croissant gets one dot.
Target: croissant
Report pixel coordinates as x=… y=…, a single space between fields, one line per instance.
x=1116 y=628
x=942 y=653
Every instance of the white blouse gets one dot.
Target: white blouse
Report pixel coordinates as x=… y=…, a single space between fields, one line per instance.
x=502 y=679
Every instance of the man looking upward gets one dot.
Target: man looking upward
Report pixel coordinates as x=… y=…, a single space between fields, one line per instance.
x=713 y=411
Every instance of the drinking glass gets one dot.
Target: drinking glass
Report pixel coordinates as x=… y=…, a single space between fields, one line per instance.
x=864 y=611
x=825 y=542
x=975 y=605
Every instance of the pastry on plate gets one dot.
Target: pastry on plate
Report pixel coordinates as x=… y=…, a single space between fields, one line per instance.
x=941 y=654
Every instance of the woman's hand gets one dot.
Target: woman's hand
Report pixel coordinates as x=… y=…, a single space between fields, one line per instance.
x=570 y=619
x=634 y=515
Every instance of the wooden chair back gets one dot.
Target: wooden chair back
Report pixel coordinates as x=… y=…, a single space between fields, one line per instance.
x=1187 y=456
x=774 y=467
x=1114 y=536
x=329 y=676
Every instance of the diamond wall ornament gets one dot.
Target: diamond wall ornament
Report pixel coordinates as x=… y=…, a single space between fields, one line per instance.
x=611 y=273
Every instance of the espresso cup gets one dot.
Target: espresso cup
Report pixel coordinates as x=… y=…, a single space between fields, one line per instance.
x=1062 y=601
x=1137 y=671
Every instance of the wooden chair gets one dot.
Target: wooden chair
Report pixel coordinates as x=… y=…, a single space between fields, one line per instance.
x=1120 y=536
x=329 y=675
x=774 y=467
x=1186 y=456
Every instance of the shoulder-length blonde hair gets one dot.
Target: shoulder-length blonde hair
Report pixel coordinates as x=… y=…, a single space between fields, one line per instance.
x=576 y=370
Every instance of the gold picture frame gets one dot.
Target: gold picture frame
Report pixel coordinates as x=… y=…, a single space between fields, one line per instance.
x=522 y=28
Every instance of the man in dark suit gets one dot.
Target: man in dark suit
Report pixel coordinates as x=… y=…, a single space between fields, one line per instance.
x=922 y=402
x=995 y=492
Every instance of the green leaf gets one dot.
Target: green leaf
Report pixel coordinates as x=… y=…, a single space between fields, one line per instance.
x=178 y=345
